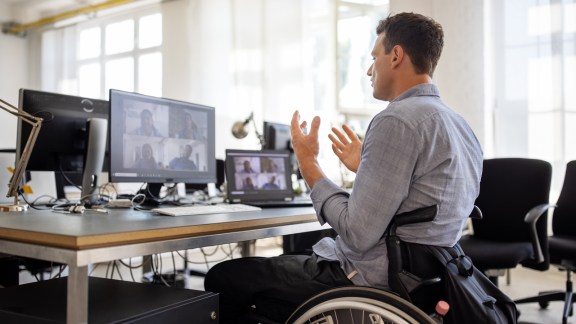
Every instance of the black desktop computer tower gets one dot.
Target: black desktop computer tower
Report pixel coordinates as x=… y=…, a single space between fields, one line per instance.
x=109 y=301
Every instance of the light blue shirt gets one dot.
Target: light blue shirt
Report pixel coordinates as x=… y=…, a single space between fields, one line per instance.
x=416 y=153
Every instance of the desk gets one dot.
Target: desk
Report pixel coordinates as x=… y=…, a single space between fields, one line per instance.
x=82 y=239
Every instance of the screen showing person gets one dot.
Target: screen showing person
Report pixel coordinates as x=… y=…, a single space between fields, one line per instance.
x=248 y=183
x=272 y=175
x=183 y=162
x=246 y=172
x=185 y=125
x=144 y=157
x=160 y=140
x=146 y=119
x=247 y=164
x=259 y=173
x=271 y=184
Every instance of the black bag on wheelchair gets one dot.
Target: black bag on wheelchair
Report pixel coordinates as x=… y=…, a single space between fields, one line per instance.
x=424 y=274
x=473 y=298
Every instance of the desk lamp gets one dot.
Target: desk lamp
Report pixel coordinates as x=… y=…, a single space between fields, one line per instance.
x=240 y=129
x=16 y=179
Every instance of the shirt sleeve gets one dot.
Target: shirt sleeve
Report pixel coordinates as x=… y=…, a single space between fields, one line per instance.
x=389 y=156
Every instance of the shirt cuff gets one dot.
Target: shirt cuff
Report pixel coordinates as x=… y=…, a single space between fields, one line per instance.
x=323 y=190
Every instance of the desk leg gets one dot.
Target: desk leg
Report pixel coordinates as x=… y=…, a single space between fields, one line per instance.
x=77 y=295
x=247 y=248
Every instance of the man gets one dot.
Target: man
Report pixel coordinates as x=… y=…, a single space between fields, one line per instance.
x=183 y=162
x=271 y=184
x=247 y=167
x=416 y=153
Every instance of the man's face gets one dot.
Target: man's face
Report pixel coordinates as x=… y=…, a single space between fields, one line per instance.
x=379 y=71
x=187 y=151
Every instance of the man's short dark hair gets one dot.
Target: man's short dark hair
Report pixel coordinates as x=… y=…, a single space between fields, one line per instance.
x=421 y=38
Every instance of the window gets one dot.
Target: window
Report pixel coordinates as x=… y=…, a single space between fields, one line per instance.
x=127 y=54
x=121 y=52
x=535 y=111
x=356 y=26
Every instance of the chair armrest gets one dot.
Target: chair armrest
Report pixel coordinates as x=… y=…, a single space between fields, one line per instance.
x=476 y=213
x=532 y=218
x=424 y=214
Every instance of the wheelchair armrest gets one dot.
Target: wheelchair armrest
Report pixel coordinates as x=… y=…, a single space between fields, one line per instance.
x=476 y=213
x=532 y=218
x=420 y=215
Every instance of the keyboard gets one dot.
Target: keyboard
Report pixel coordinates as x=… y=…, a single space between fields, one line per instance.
x=204 y=209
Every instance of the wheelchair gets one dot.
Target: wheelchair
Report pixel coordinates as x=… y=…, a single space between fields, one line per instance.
x=353 y=304
x=410 y=300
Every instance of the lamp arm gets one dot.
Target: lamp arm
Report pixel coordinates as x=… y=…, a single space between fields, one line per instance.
x=20 y=167
x=23 y=162
x=20 y=113
x=260 y=136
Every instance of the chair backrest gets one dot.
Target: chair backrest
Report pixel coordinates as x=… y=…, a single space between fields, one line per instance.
x=564 y=217
x=509 y=188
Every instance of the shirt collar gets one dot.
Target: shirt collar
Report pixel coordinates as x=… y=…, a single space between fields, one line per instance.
x=423 y=89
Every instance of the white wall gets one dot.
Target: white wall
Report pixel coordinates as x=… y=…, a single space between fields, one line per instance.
x=13 y=75
x=241 y=58
x=460 y=72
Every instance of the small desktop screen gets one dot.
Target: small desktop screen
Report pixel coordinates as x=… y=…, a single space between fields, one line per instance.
x=277 y=136
x=62 y=143
x=158 y=140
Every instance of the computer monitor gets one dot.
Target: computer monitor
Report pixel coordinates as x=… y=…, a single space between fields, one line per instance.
x=72 y=139
x=158 y=140
x=277 y=136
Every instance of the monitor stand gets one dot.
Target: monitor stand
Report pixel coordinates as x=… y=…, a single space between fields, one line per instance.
x=63 y=179
x=152 y=194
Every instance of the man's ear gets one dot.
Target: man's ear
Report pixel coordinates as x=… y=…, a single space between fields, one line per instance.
x=397 y=55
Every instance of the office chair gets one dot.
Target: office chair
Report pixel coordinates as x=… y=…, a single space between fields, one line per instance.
x=514 y=195
x=562 y=244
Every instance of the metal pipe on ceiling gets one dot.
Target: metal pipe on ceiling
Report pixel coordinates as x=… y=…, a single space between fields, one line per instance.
x=20 y=29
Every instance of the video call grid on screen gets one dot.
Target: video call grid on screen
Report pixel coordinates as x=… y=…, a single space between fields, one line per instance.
x=260 y=172
x=161 y=139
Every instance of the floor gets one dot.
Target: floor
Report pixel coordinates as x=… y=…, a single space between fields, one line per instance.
x=523 y=282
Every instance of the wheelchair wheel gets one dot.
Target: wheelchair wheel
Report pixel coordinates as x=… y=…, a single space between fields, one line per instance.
x=350 y=305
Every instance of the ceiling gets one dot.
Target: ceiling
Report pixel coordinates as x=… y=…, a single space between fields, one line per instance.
x=26 y=10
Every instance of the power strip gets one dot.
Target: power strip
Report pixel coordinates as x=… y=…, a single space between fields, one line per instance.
x=119 y=203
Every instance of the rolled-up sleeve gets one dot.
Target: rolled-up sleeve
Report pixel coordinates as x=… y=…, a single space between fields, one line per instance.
x=381 y=184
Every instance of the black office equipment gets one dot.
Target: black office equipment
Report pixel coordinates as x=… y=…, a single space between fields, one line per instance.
x=277 y=136
x=63 y=143
x=562 y=245
x=109 y=301
x=261 y=178
x=220 y=178
x=158 y=140
x=514 y=196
